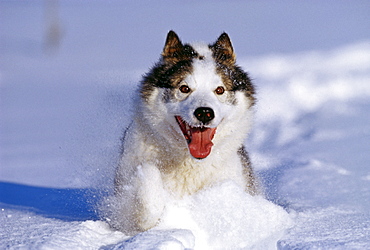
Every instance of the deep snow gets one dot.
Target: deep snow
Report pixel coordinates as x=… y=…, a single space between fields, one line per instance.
x=64 y=104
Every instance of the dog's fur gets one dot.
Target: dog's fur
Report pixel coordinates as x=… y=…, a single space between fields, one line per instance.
x=191 y=119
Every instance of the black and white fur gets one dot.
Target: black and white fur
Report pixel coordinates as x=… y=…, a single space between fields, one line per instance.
x=192 y=89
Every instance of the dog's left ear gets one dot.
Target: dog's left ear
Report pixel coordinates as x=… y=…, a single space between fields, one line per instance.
x=223 y=49
x=173 y=47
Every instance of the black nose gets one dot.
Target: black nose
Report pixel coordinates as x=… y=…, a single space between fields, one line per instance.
x=204 y=114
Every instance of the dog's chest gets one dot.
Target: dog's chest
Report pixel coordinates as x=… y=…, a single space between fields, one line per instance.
x=192 y=176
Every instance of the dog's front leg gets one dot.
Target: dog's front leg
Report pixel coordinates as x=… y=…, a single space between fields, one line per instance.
x=151 y=196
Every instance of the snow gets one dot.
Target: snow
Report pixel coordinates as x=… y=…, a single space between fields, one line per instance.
x=24 y=230
x=64 y=104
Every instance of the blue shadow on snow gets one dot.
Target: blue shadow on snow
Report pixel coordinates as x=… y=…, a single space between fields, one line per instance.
x=64 y=204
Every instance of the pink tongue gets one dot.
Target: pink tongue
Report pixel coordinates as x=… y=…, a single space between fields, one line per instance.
x=201 y=142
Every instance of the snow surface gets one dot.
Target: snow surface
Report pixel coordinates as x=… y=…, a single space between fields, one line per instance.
x=67 y=75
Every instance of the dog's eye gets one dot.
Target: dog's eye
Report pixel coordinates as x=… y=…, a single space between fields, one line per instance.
x=219 y=90
x=184 y=89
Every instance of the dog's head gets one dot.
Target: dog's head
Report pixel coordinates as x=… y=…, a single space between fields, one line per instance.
x=197 y=90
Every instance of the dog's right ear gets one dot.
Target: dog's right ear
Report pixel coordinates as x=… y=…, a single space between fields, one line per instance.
x=173 y=47
x=223 y=49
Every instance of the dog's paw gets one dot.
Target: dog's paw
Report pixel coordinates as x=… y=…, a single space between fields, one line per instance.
x=151 y=196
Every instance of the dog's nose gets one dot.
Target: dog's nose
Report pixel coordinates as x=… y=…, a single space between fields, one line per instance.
x=204 y=114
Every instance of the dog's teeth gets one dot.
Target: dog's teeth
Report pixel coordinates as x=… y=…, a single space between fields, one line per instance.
x=185 y=127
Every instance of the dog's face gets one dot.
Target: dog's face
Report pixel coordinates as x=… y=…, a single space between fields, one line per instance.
x=198 y=90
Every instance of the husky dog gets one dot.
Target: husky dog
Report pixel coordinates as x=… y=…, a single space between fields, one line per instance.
x=192 y=116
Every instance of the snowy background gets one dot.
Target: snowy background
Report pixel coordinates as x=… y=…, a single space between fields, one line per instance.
x=68 y=71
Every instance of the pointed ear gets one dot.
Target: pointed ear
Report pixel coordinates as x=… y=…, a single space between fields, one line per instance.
x=223 y=49
x=173 y=46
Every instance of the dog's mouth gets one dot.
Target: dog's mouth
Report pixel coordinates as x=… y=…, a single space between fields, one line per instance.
x=199 y=139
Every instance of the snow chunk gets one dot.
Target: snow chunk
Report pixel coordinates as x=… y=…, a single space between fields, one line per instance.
x=232 y=219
